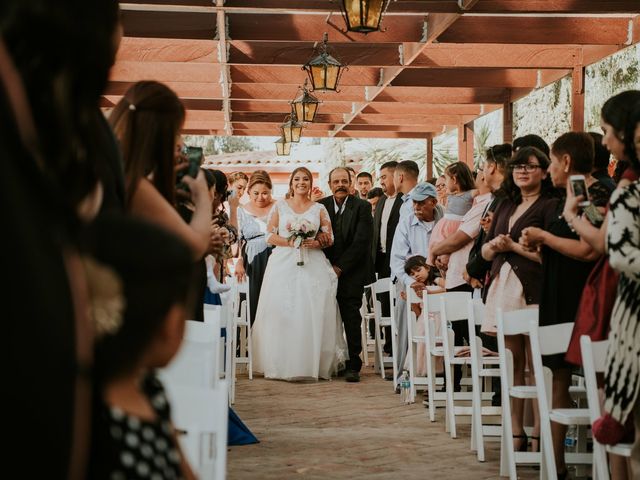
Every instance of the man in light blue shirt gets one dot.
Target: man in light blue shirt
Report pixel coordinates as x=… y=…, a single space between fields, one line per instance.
x=412 y=238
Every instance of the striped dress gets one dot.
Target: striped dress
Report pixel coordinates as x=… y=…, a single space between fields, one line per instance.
x=622 y=381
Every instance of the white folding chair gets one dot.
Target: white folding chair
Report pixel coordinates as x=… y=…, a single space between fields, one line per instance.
x=196 y=363
x=414 y=341
x=202 y=414
x=242 y=319
x=382 y=286
x=552 y=340
x=594 y=355
x=431 y=307
x=366 y=316
x=223 y=314
x=479 y=372
x=454 y=308
x=512 y=323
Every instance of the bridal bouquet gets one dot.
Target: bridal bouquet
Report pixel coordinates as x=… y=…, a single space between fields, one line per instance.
x=300 y=229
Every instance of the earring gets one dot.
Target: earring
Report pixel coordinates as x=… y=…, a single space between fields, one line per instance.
x=566 y=169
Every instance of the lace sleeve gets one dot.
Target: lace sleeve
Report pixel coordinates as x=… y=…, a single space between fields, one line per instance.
x=273 y=220
x=325 y=222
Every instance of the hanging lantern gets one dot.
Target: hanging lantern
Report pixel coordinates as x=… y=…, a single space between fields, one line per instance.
x=363 y=16
x=305 y=105
x=291 y=129
x=324 y=70
x=283 y=147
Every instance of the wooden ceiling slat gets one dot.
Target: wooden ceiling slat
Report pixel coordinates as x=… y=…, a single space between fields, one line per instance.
x=391 y=108
x=451 y=6
x=310 y=28
x=298 y=53
x=283 y=106
x=165 y=72
x=191 y=25
x=470 y=77
x=294 y=75
x=498 y=56
x=443 y=95
x=248 y=91
x=182 y=89
x=540 y=30
x=133 y=49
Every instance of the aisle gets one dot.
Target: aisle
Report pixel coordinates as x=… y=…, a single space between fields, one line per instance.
x=332 y=430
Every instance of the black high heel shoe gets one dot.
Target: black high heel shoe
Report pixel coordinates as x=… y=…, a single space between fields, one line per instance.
x=562 y=475
x=525 y=443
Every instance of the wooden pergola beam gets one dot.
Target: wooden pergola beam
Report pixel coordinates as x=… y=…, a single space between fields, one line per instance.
x=436 y=25
x=310 y=28
x=577 y=99
x=475 y=77
x=540 y=30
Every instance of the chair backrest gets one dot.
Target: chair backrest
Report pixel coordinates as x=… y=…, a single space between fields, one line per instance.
x=203 y=414
x=517 y=322
x=382 y=285
x=554 y=339
x=475 y=313
x=454 y=306
x=196 y=363
x=594 y=356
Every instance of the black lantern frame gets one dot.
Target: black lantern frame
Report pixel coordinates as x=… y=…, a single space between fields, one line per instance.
x=305 y=105
x=324 y=70
x=363 y=16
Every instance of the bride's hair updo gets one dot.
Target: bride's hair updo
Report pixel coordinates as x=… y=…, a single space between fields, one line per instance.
x=260 y=177
x=304 y=170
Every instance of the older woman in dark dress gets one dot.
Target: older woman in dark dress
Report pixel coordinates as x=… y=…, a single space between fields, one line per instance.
x=566 y=264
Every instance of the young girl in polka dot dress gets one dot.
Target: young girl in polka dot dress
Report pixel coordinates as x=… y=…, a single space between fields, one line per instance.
x=139 y=303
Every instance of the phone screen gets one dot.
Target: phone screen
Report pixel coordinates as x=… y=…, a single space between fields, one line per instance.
x=579 y=188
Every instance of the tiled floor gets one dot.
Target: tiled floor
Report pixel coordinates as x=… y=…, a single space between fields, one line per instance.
x=331 y=430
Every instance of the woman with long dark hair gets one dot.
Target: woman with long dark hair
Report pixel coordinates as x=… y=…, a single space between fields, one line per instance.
x=147 y=121
x=516 y=273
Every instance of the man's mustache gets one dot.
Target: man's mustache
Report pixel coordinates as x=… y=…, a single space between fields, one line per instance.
x=342 y=189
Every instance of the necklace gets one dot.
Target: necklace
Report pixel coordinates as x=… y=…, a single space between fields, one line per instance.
x=537 y=194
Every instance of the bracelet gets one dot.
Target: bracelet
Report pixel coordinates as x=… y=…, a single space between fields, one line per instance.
x=570 y=223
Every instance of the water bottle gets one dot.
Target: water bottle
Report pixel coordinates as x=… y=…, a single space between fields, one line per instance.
x=571 y=438
x=405 y=388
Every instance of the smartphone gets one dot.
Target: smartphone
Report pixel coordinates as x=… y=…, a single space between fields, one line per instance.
x=579 y=188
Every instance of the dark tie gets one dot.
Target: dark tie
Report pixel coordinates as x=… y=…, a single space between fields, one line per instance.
x=337 y=228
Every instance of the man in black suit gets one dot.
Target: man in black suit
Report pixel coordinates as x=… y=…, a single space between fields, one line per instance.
x=385 y=221
x=349 y=255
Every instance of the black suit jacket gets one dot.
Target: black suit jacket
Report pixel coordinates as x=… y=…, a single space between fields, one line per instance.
x=394 y=218
x=353 y=259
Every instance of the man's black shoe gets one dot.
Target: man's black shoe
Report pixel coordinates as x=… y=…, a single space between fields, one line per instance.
x=351 y=376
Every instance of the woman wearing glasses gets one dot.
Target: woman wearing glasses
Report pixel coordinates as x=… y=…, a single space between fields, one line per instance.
x=566 y=264
x=516 y=273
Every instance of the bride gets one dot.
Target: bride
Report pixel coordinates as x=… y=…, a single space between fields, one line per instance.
x=297 y=334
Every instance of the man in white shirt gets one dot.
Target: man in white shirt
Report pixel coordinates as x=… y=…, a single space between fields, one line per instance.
x=412 y=238
x=385 y=221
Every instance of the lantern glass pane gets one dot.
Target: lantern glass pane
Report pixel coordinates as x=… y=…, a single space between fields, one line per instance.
x=373 y=14
x=318 y=76
x=354 y=13
x=296 y=132
x=310 y=112
x=286 y=133
x=331 y=77
x=286 y=148
x=300 y=110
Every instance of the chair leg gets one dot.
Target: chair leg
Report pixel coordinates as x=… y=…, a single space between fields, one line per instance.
x=379 y=349
x=431 y=386
x=477 y=440
x=451 y=417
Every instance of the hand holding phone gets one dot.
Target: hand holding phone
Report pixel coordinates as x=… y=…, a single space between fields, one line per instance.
x=578 y=187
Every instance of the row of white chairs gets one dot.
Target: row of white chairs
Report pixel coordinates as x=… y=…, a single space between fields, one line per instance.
x=547 y=340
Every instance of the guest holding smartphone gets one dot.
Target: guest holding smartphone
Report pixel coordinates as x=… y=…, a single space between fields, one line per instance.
x=566 y=264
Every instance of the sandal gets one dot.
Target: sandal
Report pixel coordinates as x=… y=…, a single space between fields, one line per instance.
x=525 y=443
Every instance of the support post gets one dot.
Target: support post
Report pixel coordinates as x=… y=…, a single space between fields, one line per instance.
x=429 y=158
x=465 y=144
x=507 y=122
x=577 y=99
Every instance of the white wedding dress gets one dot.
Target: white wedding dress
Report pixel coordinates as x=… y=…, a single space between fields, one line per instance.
x=298 y=333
